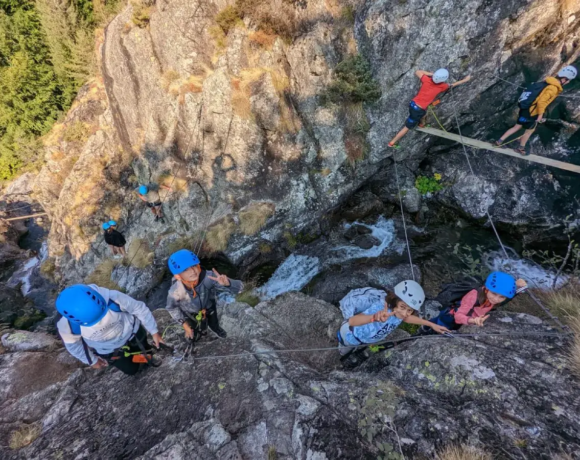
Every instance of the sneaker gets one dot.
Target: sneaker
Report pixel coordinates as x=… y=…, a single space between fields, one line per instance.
x=156 y=218
x=394 y=146
x=220 y=332
x=117 y=256
x=498 y=143
x=521 y=150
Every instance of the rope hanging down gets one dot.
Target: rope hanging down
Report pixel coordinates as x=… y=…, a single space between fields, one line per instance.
x=404 y=223
x=532 y=296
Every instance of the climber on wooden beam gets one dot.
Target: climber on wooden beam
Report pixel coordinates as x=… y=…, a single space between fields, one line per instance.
x=533 y=103
x=432 y=84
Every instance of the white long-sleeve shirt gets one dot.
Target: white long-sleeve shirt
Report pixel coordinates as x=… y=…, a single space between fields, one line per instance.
x=113 y=331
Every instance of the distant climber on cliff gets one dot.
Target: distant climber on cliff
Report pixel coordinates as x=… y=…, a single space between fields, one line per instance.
x=103 y=327
x=475 y=305
x=191 y=300
x=372 y=314
x=432 y=84
x=150 y=195
x=114 y=239
x=533 y=103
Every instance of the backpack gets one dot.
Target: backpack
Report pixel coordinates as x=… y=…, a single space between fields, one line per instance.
x=76 y=329
x=530 y=94
x=452 y=293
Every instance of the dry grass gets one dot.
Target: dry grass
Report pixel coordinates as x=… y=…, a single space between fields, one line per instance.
x=262 y=39
x=564 y=303
x=356 y=128
x=47 y=268
x=218 y=235
x=242 y=91
x=177 y=184
x=76 y=132
x=574 y=352
x=24 y=436
x=218 y=36
x=139 y=254
x=190 y=242
x=462 y=452
x=101 y=275
x=169 y=79
x=254 y=216
x=141 y=14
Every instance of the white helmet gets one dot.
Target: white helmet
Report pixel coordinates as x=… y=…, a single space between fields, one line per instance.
x=411 y=293
x=568 y=72
x=440 y=76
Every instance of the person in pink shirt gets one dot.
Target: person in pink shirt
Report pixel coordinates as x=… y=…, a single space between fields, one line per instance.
x=475 y=306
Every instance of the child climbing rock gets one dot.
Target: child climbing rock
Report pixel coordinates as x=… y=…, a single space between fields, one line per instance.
x=102 y=327
x=150 y=195
x=372 y=314
x=191 y=300
x=432 y=84
x=114 y=239
x=533 y=103
x=474 y=307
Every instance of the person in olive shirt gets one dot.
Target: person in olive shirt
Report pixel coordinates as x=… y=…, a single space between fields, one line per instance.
x=114 y=239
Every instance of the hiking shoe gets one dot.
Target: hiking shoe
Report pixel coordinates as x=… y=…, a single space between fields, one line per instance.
x=498 y=143
x=521 y=150
x=156 y=218
x=394 y=146
x=220 y=332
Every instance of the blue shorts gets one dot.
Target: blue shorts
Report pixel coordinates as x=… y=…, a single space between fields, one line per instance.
x=526 y=120
x=415 y=115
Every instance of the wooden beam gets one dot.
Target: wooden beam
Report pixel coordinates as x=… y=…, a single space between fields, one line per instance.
x=487 y=146
x=26 y=217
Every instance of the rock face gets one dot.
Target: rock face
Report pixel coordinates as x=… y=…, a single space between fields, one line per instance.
x=492 y=392
x=235 y=124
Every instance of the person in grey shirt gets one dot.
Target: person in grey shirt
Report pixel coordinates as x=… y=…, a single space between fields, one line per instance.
x=192 y=296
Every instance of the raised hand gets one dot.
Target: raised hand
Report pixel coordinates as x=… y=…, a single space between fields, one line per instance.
x=220 y=279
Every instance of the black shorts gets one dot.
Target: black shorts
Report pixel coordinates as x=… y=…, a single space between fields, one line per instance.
x=415 y=115
x=526 y=120
x=154 y=205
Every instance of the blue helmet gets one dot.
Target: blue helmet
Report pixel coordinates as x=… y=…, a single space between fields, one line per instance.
x=106 y=225
x=181 y=260
x=82 y=305
x=143 y=189
x=112 y=223
x=502 y=284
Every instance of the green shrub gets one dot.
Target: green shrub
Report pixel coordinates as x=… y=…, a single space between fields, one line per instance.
x=248 y=297
x=228 y=18
x=353 y=82
x=428 y=184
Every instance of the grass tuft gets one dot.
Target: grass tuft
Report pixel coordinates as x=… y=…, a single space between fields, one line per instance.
x=47 y=268
x=76 y=132
x=101 y=275
x=262 y=39
x=462 y=452
x=24 y=436
x=139 y=254
x=254 y=216
x=218 y=235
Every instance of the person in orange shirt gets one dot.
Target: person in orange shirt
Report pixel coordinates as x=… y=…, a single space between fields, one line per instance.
x=475 y=306
x=533 y=105
x=432 y=84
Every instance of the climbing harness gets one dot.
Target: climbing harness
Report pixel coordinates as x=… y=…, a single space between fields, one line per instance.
x=404 y=223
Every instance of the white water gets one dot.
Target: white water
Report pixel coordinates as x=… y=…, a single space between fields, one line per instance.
x=23 y=274
x=535 y=275
x=294 y=273
x=383 y=230
x=297 y=270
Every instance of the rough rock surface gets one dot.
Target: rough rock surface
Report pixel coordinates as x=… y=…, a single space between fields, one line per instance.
x=29 y=341
x=492 y=392
x=232 y=124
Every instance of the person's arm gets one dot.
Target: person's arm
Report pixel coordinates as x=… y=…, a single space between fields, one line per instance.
x=366 y=318
x=166 y=187
x=423 y=322
x=359 y=300
x=172 y=305
x=222 y=281
x=74 y=344
x=421 y=73
x=139 y=310
x=461 y=82
x=142 y=198
x=467 y=304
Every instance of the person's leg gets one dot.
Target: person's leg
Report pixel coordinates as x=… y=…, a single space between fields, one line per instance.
x=399 y=135
x=509 y=133
x=159 y=211
x=423 y=121
x=112 y=248
x=526 y=137
x=122 y=250
x=213 y=323
x=126 y=365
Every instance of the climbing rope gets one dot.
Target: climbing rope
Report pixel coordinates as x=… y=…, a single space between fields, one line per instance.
x=523 y=87
x=404 y=223
x=384 y=342
x=532 y=296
